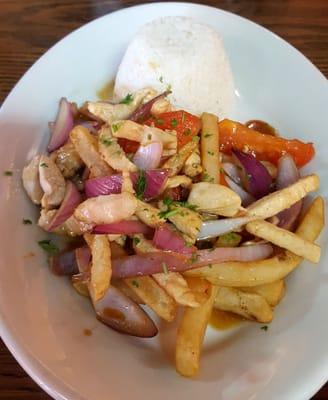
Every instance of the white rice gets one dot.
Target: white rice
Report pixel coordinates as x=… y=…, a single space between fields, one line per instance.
x=185 y=55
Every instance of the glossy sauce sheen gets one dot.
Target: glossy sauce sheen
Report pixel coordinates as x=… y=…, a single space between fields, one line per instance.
x=87 y=332
x=261 y=126
x=106 y=92
x=115 y=314
x=223 y=320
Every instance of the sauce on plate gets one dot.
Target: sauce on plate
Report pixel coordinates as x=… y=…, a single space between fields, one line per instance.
x=106 y=92
x=223 y=320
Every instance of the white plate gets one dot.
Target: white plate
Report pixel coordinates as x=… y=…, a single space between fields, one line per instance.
x=42 y=318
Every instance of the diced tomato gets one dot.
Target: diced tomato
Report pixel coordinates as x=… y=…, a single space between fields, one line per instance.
x=223 y=180
x=128 y=146
x=234 y=135
x=186 y=125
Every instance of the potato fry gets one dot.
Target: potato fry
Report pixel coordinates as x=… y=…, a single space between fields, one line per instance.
x=176 y=162
x=101 y=270
x=248 y=305
x=209 y=146
x=240 y=274
x=86 y=147
x=154 y=296
x=285 y=239
x=179 y=180
x=200 y=288
x=272 y=292
x=278 y=201
x=190 y=336
x=112 y=152
x=125 y=289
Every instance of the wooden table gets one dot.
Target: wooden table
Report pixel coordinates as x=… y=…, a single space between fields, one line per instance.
x=29 y=27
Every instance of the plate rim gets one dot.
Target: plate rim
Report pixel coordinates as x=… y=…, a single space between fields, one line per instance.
x=46 y=379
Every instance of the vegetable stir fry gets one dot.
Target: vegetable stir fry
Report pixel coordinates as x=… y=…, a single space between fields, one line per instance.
x=173 y=210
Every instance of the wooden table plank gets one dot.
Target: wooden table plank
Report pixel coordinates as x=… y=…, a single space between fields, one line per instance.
x=29 y=27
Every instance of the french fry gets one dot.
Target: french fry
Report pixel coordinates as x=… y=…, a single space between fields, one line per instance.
x=178 y=180
x=86 y=146
x=192 y=166
x=176 y=162
x=153 y=296
x=101 y=270
x=248 y=305
x=240 y=274
x=200 y=288
x=278 y=201
x=285 y=239
x=209 y=146
x=272 y=292
x=190 y=336
x=125 y=289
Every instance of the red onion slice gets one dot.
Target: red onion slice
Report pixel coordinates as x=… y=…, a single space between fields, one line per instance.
x=257 y=179
x=287 y=175
x=119 y=312
x=152 y=263
x=167 y=239
x=246 y=198
x=71 y=200
x=103 y=185
x=63 y=264
x=62 y=126
x=123 y=228
x=143 y=112
x=155 y=182
x=148 y=156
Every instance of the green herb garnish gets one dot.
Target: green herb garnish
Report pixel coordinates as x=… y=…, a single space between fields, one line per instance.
x=159 y=121
x=141 y=184
x=208 y=178
x=187 y=132
x=264 y=327
x=116 y=127
x=194 y=258
x=168 y=213
x=8 y=173
x=135 y=283
x=48 y=247
x=105 y=141
x=230 y=239
x=136 y=241
x=27 y=221
x=210 y=266
x=149 y=136
x=161 y=79
x=128 y=99
x=195 y=139
x=44 y=165
x=174 y=122
x=165 y=269
x=211 y=153
x=207 y=135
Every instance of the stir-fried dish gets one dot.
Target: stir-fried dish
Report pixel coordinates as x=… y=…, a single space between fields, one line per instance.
x=169 y=209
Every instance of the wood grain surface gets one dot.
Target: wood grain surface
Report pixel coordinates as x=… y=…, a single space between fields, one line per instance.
x=29 y=27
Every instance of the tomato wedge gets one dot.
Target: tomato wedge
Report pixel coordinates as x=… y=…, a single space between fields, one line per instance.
x=128 y=146
x=234 y=135
x=185 y=124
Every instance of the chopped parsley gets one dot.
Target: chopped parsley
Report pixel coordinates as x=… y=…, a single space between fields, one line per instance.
x=195 y=139
x=210 y=265
x=211 y=153
x=174 y=122
x=136 y=241
x=168 y=213
x=149 y=136
x=27 y=221
x=264 y=327
x=165 y=269
x=168 y=201
x=187 y=132
x=208 y=178
x=48 y=247
x=161 y=79
x=8 y=173
x=44 y=165
x=141 y=184
x=116 y=127
x=159 y=121
x=230 y=239
x=135 y=283
x=194 y=258
x=207 y=135
x=128 y=99
x=107 y=142
x=169 y=88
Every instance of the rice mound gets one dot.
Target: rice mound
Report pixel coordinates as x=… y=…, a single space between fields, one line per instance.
x=182 y=54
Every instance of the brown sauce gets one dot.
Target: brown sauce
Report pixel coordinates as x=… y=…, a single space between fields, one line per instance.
x=106 y=92
x=223 y=320
x=261 y=126
x=112 y=313
x=87 y=332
